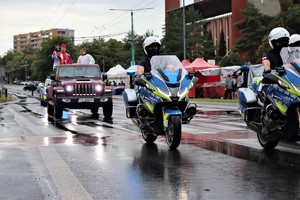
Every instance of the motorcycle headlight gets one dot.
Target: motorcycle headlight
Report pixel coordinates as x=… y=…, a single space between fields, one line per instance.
x=165 y=93
x=69 y=88
x=98 y=88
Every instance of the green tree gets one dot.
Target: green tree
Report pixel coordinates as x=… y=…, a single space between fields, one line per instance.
x=291 y=19
x=194 y=30
x=208 y=47
x=173 y=38
x=118 y=56
x=222 y=50
x=232 y=59
x=138 y=46
x=253 y=28
x=264 y=46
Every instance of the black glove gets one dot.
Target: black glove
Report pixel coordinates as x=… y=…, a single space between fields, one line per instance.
x=267 y=71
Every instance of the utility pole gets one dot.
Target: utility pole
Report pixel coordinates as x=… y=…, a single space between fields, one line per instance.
x=103 y=61
x=132 y=32
x=183 y=24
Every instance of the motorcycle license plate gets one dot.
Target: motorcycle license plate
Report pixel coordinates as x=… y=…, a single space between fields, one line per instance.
x=85 y=100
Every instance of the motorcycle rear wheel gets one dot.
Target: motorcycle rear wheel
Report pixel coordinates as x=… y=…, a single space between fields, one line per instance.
x=173 y=133
x=267 y=144
x=148 y=137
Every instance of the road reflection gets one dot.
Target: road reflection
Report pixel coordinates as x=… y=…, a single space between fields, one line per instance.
x=165 y=166
x=214 y=143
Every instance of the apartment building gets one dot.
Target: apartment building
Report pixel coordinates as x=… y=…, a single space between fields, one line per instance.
x=35 y=39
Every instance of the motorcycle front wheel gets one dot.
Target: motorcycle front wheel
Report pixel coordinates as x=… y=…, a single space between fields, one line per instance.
x=173 y=133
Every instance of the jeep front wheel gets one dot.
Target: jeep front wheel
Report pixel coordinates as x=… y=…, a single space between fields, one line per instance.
x=108 y=109
x=49 y=109
x=94 y=111
x=58 y=111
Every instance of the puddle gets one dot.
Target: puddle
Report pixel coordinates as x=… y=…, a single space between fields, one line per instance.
x=211 y=142
x=219 y=112
x=31 y=112
x=72 y=139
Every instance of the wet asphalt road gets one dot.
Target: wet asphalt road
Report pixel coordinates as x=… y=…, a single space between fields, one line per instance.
x=80 y=157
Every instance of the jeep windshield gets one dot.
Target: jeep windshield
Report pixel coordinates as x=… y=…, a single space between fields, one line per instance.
x=79 y=71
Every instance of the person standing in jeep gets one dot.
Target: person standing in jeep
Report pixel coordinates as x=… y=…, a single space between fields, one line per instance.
x=85 y=58
x=61 y=57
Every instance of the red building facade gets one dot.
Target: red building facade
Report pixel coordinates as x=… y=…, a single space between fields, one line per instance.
x=218 y=15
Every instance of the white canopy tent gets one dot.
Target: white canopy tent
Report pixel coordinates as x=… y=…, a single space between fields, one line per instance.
x=116 y=72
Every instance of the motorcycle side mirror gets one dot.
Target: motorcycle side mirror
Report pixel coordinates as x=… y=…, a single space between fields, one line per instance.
x=148 y=75
x=191 y=75
x=140 y=82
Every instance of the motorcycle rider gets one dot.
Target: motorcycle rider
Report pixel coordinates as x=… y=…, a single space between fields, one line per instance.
x=278 y=38
x=151 y=46
x=294 y=40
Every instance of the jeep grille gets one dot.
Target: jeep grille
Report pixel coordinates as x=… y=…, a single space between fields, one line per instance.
x=84 y=90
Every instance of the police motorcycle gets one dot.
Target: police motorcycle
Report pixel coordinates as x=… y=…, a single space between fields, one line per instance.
x=278 y=119
x=159 y=103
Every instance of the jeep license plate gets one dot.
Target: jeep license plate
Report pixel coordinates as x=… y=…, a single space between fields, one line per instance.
x=85 y=100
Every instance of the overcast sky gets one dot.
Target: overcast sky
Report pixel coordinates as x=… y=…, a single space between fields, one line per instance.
x=88 y=18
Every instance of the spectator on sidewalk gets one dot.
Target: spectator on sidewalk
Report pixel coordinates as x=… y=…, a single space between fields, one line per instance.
x=228 y=87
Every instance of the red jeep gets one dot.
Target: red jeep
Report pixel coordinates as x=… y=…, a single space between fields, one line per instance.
x=78 y=86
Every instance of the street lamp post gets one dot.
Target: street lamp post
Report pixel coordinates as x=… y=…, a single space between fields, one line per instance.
x=183 y=24
x=103 y=61
x=27 y=76
x=103 y=64
x=132 y=32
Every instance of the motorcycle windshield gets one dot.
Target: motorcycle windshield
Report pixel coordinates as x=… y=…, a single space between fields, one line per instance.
x=291 y=55
x=167 y=69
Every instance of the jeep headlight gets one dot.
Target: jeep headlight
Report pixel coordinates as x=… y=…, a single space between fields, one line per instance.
x=98 y=88
x=69 y=88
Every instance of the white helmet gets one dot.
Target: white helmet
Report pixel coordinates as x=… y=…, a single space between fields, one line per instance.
x=276 y=34
x=148 y=41
x=295 y=38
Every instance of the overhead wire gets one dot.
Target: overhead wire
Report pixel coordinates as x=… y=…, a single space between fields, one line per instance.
x=122 y=19
x=65 y=12
x=49 y=20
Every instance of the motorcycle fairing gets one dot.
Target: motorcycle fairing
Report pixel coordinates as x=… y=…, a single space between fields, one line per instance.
x=169 y=112
x=246 y=96
x=256 y=84
x=160 y=92
x=149 y=98
x=172 y=75
x=281 y=97
x=158 y=82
